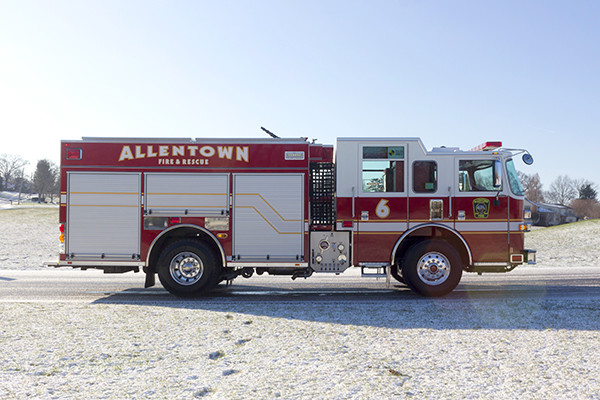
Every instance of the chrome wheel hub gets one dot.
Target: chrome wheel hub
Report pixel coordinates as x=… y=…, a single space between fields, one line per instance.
x=433 y=268
x=186 y=268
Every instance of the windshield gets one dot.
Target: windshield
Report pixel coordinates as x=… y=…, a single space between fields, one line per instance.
x=513 y=178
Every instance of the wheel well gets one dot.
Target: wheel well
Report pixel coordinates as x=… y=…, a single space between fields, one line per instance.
x=183 y=232
x=432 y=232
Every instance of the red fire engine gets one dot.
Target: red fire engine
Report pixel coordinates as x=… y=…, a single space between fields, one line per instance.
x=202 y=211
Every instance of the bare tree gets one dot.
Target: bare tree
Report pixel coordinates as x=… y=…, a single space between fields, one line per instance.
x=562 y=190
x=586 y=208
x=43 y=178
x=586 y=205
x=10 y=164
x=532 y=186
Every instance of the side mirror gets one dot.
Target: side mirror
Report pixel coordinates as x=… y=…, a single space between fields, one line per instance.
x=497 y=173
x=527 y=159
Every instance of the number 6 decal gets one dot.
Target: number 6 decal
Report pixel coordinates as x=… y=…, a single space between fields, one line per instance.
x=382 y=210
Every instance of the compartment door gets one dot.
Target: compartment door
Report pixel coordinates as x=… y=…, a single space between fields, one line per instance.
x=187 y=194
x=103 y=216
x=268 y=217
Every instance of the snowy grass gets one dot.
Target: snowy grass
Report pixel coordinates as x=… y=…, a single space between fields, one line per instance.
x=29 y=236
x=301 y=350
x=576 y=244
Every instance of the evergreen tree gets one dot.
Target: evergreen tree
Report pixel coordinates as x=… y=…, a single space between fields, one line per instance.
x=43 y=178
x=587 y=192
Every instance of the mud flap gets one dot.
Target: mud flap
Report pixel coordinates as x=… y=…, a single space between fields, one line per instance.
x=150 y=278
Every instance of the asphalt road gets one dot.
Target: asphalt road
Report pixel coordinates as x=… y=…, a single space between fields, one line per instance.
x=65 y=285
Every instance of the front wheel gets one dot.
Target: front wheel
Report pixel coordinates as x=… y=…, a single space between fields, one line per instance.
x=432 y=268
x=395 y=271
x=187 y=268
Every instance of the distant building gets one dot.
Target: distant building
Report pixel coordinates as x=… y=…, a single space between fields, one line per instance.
x=545 y=214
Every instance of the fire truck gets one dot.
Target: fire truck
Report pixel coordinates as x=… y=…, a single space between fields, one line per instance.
x=198 y=212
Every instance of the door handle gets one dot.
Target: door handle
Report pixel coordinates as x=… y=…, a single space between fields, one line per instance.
x=353 y=196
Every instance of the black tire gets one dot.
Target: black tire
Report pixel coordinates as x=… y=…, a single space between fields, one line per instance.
x=187 y=268
x=432 y=268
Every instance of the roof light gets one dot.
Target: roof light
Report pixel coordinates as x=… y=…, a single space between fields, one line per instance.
x=487 y=146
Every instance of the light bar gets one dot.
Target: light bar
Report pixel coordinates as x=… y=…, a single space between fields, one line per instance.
x=487 y=146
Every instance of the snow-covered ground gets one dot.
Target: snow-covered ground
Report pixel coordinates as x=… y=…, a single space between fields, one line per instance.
x=7 y=199
x=576 y=244
x=417 y=349
x=220 y=348
x=29 y=236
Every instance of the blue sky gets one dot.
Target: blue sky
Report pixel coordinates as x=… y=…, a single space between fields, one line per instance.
x=455 y=73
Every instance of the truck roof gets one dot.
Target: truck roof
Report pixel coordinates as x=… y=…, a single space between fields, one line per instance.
x=186 y=140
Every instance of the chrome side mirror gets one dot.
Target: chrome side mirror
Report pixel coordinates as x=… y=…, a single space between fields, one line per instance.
x=497 y=173
x=527 y=159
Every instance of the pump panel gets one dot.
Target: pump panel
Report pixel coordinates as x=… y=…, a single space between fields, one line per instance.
x=330 y=251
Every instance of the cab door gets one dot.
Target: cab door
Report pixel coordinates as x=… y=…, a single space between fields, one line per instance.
x=380 y=200
x=481 y=205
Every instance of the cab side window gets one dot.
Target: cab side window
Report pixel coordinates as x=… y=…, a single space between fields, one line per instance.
x=383 y=169
x=476 y=176
x=424 y=176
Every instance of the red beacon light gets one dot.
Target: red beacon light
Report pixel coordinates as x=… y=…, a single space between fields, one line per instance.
x=487 y=146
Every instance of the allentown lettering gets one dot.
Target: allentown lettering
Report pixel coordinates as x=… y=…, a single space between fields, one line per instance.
x=152 y=151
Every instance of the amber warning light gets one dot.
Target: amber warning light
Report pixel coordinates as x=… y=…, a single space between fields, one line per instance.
x=61 y=239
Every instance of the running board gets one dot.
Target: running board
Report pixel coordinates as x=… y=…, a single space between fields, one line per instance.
x=376 y=271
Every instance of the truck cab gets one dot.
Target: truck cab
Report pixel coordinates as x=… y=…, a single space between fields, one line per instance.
x=452 y=206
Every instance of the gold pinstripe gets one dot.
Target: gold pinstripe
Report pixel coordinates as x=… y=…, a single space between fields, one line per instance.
x=270 y=224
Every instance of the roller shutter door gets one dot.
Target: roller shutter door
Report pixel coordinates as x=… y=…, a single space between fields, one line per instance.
x=268 y=217
x=103 y=215
x=176 y=194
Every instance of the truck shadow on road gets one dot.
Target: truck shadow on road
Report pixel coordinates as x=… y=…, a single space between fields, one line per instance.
x=472 y=307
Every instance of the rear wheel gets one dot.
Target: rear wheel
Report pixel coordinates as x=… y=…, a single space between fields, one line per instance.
x=432 y=268
x=187 y=268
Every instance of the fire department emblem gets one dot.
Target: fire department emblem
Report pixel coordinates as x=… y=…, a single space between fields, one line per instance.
x=481 y=208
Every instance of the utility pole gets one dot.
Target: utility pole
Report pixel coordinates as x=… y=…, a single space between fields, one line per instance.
x=21 y=185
